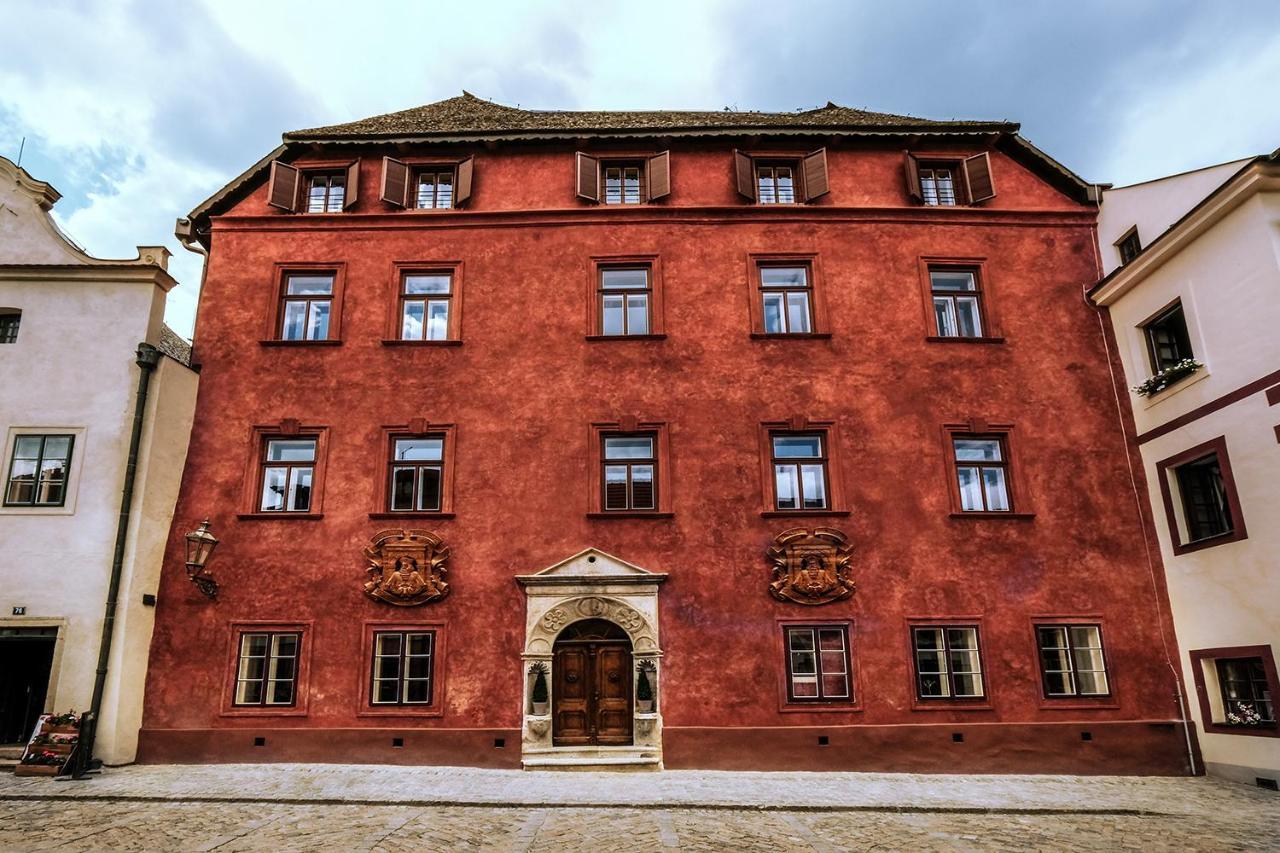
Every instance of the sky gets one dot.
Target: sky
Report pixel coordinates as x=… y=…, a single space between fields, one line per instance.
x=138 y=111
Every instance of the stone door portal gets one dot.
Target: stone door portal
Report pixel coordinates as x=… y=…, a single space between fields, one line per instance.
x=591 y=675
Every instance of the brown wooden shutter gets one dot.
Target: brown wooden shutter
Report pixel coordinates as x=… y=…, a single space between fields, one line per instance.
x=746 y=173
x=282 y=189
x=352 y=190
x=977 y=177
x=395 y=182
x=660 y=175
x=815 y=175
x=588 y=177
x=913 y=177
x=462 y=181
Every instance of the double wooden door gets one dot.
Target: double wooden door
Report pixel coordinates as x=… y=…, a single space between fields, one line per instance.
x=592 y=693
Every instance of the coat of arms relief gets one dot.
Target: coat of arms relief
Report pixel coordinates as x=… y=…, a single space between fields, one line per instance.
x=406 y=567
x=810 y=566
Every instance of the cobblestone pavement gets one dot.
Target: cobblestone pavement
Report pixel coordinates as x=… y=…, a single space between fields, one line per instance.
x=297 y=807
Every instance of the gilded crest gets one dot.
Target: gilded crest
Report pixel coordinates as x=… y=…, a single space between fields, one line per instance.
x=406 y=567
x=810 y=566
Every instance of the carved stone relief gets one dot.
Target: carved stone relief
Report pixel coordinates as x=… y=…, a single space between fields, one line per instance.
x=810 y=566
x=406 y=567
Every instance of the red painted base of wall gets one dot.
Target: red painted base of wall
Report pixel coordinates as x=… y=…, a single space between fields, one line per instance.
x=1119 y=748
x=1116 y=748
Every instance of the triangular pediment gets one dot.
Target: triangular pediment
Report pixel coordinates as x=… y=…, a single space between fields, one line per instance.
x=594 y=564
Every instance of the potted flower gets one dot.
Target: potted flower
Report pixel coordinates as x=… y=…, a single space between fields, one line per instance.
x=539 y=694
x=1167 y=377
x=1244 y=715
x=644 y=689
x=68 y=723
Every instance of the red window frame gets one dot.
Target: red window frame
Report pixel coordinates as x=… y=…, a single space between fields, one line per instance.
x=274 y=333
x=385 y=462
x=662 y=467
x=1167 y=468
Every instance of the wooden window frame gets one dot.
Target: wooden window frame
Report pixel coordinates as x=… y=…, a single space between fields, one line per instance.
x=662 y=468
x=802 y=425
x=66 y=477
x=1153 y=360
x=364 y=690
x=301 y=695
x=350 y=169
x=416 y=171
x=595 y=317
x=287 y=429
x=810 y=174
x=415 y=428
x=1198 y=659
x=1130 y=235
x=819 y=317
x=640 y=164
x=793 y=702
x=655 y=177
x=462 y=167
x=947 y=703
x=10 y=325
x=402 y=700
x=1044 y=701
x=395 y=297
x=1167 y=467
x=1020 y=507
x=928 y=264
x=961 y=182
x=273 y=335
x=1068 y=624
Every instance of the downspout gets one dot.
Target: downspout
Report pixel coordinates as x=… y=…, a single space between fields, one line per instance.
x=1184 y=717
x=148 y=357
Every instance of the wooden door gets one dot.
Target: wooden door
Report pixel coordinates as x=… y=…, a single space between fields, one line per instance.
x=591 y=694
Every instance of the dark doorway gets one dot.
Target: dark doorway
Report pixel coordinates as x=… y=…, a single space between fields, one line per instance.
x=591 y=674
x=26 y=659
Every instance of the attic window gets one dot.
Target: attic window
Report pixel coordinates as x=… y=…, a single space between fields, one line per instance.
x=10 y=319
x=313 y=188
x=944 y=182
x=325 y=192
x=1129 y=246
x=623 y=180
x=781 y=179
x=433 y=185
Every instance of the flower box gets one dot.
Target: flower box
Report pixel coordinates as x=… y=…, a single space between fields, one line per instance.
x=38 y=769
x=1169 y=376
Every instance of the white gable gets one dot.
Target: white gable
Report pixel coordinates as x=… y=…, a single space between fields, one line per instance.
x=593 y=562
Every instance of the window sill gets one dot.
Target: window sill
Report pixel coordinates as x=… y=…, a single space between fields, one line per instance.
x=1078 y=703
x=264 y=711
x=280 y=516
x=1263 y=730
x=384 y=516
x=1012 y=516
x=786 y=336
x=1208 y=542
x=397 y=342
x=820 y=706
x=630 y=514
x=403 y=711
x=328 y=342
x=789 y=513
x=653 y=337
x=941 y=704
x=958 y=339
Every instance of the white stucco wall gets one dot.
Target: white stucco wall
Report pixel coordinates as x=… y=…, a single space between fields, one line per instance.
x=72 y=369
x=1228 y=279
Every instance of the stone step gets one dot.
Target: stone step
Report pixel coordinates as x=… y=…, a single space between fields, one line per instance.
x=592 y=762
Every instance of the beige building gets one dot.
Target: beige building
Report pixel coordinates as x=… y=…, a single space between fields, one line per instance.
x=1192 y=286
x=86 y=366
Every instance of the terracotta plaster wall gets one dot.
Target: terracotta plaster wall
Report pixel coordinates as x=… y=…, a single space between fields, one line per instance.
x=525 y=384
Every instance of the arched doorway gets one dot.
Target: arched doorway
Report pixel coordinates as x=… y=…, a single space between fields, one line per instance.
x=591 y=692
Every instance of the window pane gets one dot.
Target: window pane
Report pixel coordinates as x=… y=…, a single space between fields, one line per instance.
x=800 y=639
x=997 y=494
x=429 y=449
x=629 y=447
x=798 y=312
x=835 y=686
x=787 y=486
x=944 y=312
x=1055 y=660
x=444 y=190
x=784 y=276
x=273 y=486
x=764 y=186
x=429 y=488
x=612 y=185
x=638 y=314
x=967 y=685
x=797 y=446
x=1088 y=660
x=969 y=320
x=1092 y=683
x=951 y=280
x=634 y=279
x=416 y=284
x=611 y=320
x=417 y=691
x=248 y=693
x=928 y=638
x=318 y=321
x=387 y=644
x=786 y=191
x=831 y=639
x=437 y=320
x=426 y=190
x=977 y=449
x=295 y=321
x=774 y=321
x=631 y=186
x=57 y=447
x=642 y=487
x=1085 y=637
x=804 y=663
x=27 y=447
x=300 y=490
x=814 y=486
x=387 y=667
x=310 y=285
x=419 y=644
x=615 y=487
x=1058 y=684
x=402 y=488
x=970 y=489
x=384 y=692
x=49 y=491
x=281 y=693
x=291 y=450
x=1053 y=638
x=413 y=320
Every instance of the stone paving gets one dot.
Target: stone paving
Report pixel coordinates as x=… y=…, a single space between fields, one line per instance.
x=342 y=807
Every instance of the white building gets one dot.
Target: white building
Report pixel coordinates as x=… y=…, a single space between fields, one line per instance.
x=82 y=340
x=1192 y=288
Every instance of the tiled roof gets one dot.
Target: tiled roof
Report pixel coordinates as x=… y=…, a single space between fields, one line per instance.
x=172 y=345
x=467 y=114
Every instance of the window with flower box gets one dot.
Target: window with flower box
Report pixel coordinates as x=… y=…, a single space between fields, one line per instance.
x=1236 y=687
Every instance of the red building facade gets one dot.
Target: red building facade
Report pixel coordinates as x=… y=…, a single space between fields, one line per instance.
x=644 y=437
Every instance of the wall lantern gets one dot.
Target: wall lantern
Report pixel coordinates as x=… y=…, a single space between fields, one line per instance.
x=200 y=545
